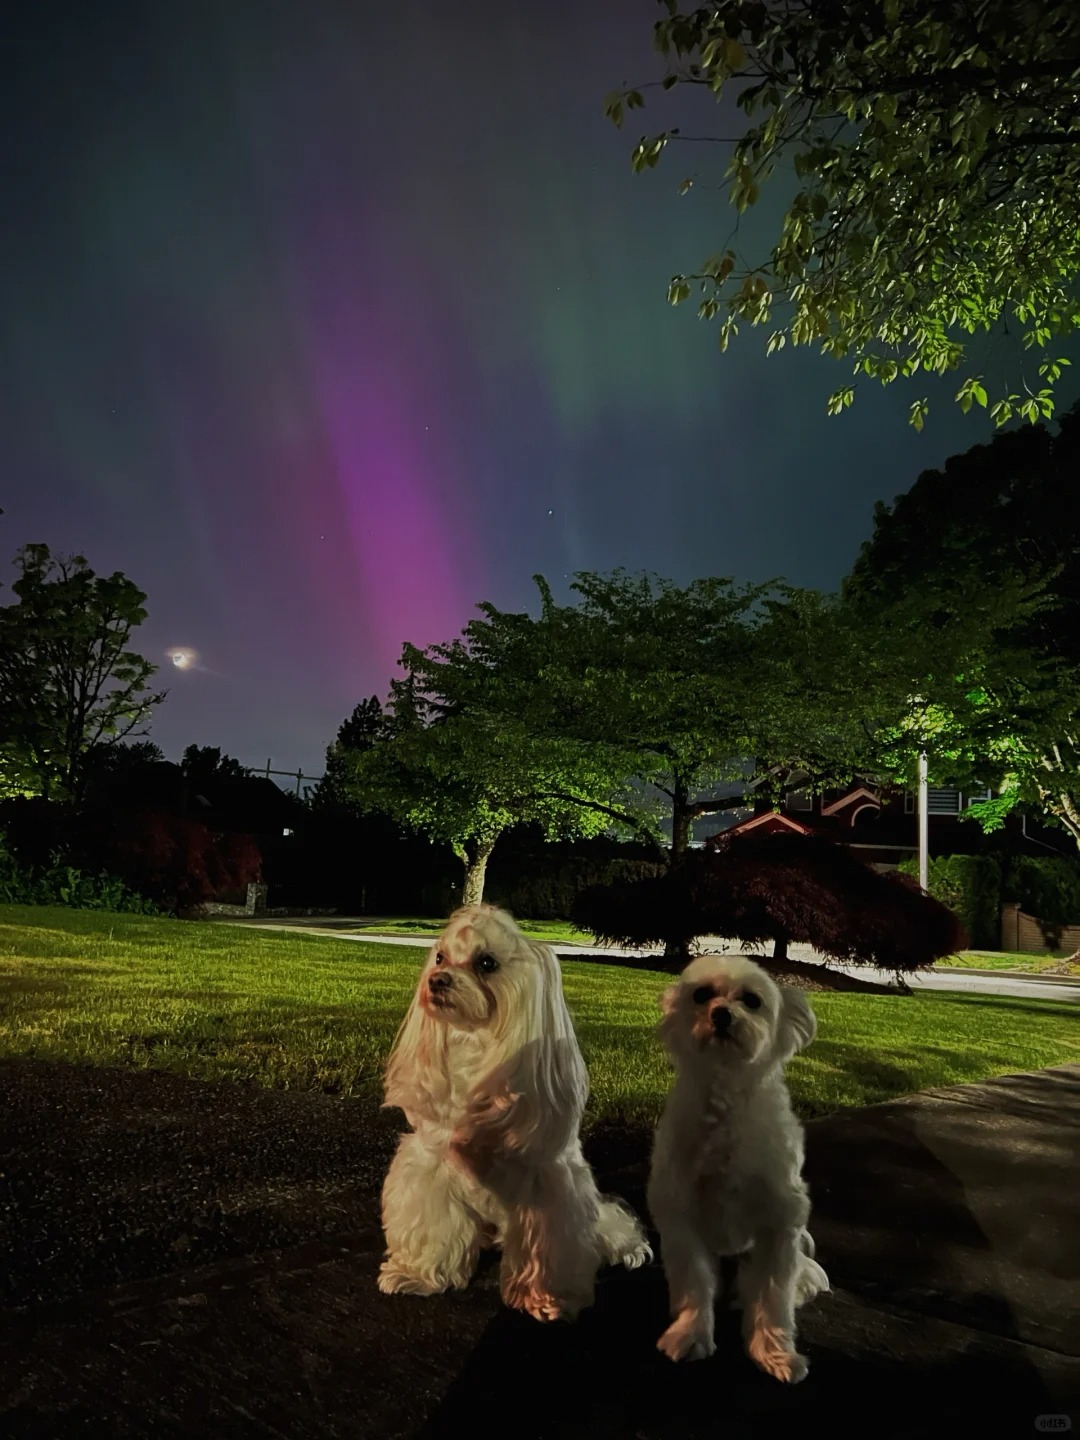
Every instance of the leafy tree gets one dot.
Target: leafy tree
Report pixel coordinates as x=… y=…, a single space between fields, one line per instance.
x=358 y=732
x=125 y=758
x=936 y=157
x=995 y=512
x=657 y=694
x=977 y=571
x=203 y=765
x=69 y=681
x=456 y=776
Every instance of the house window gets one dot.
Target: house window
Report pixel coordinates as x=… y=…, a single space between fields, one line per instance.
x=977 y=797
x=800 y=800
x=939 y=801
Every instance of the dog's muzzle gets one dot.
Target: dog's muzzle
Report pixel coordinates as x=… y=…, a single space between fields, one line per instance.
x=721 y=1020
x=439 y=986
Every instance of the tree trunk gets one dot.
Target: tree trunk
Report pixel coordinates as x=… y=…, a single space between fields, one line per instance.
x=681 y=822
x=475 y=860
x=1068 y=812
x=779 y=949
x=677 y=952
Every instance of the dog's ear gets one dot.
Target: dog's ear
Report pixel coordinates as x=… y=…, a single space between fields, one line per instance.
x=532 y=1100
x=670 y=1023
x=797 y=1024
x=669 y=999
x=418 y=1070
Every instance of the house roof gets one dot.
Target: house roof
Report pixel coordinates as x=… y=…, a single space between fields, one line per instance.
x=772 y=821
x=862 y=795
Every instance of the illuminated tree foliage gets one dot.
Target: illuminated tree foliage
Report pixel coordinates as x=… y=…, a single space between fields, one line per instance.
x=70 y=684
x=935 y=156
x=455 y=774
x=976 y=570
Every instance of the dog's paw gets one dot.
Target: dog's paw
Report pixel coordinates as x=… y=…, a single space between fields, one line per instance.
x=773 y=1352
x=640 y=1254
x=686 y=1340
x=546 y=1308
x=393 y=1280
x=811 y=1281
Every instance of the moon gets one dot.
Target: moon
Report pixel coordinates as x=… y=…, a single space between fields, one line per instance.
x=183 y=657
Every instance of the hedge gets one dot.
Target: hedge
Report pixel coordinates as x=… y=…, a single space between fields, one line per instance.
x=1047 y=887
x=970 y=885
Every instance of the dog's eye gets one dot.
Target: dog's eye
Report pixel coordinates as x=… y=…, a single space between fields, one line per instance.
x=486 y=964
x=440 y=958
x=750 y=1000
x=702 y=995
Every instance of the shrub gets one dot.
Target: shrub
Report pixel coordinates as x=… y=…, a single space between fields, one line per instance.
x=781 y=888
x=179 y=862
x=549 y=893
x=970 y=885
x=57 y=883
x=1047 y=887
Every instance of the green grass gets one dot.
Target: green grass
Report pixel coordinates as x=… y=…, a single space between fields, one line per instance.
x=552 y=932
x=1030 y=964
x=294 y=1011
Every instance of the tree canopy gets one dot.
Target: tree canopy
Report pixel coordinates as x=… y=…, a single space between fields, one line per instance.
x=70 y=683
x=928 y=158
x=205 y=764
x=444 y=769
x=655 y=704
x=976 y=571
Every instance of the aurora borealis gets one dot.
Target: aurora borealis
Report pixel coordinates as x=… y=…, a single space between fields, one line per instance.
x=325 y=321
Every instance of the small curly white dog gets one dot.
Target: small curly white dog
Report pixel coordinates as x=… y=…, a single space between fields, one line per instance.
x=726 y=1175
x=487 y=1068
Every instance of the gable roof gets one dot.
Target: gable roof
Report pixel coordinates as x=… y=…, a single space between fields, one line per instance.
x=861 y=793
x=771 y=820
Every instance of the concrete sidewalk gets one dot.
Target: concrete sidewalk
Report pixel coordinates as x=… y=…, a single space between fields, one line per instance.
x=181 y=1260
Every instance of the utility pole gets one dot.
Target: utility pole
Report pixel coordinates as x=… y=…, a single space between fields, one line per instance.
x=924 y=825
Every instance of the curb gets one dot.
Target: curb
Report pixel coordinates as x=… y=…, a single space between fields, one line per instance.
x=1007 y=974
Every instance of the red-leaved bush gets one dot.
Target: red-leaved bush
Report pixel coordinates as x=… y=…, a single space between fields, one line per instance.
x=179 y=862
x=779 y=888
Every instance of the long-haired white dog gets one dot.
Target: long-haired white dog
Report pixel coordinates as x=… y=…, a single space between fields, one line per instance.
x=487 y=1069
x=726 y=1175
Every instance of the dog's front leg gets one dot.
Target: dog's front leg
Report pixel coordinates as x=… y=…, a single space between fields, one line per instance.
x=768 y=1276
x=690 y=1268
x=550 y=1258
x=432 y=1238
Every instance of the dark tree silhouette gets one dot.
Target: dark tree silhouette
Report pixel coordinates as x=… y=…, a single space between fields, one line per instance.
x=779 y=888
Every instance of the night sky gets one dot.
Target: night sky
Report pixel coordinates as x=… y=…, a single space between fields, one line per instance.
x=324 y=321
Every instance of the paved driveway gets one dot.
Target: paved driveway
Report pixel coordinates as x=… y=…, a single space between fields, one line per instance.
x=188 y=1261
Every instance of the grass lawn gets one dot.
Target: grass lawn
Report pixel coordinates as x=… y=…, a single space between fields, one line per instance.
x=219 y=1002
x=552 y=932
x=1031 y=964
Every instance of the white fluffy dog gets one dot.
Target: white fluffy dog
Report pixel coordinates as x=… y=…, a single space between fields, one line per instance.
x=487 y=1068
x=726 y=1176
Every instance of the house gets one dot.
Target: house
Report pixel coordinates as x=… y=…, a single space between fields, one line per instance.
x=882 y=824
x=242 y=804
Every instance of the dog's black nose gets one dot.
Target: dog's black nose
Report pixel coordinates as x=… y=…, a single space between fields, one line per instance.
x=721 y=1019
x=439 y=981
